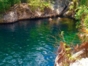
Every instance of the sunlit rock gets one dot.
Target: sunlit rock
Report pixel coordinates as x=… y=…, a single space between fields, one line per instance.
x=81 y=62
x=10 y=16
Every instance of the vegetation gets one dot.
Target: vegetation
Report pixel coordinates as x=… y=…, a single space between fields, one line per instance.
x=41 y=4
x=83 y=2
x=66 y=54
x=79 y=10
x=6 y=4
x=82 y=16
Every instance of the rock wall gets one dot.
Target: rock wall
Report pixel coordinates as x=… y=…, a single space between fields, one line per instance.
x=24 y=11
x=11 y=16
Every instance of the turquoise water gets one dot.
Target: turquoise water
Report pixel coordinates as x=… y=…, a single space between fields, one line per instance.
x=33 y=42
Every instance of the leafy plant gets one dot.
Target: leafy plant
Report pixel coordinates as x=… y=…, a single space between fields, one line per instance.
x=82 y=11
x=82 y=15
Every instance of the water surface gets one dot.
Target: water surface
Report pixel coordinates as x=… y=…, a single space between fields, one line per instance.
x=33 y=42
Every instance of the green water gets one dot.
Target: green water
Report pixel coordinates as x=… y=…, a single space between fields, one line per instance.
x=33 y=42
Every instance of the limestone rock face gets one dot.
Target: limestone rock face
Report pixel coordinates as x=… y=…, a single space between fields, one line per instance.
x=60 y=5
x=10 y=17
x=24 y=11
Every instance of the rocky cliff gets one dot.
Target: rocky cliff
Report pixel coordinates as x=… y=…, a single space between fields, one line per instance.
x=24 y=11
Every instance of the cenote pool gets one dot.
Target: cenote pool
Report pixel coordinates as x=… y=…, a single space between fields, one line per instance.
x=34 y=42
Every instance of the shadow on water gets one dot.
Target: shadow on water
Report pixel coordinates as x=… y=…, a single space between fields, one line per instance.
x=31 y=42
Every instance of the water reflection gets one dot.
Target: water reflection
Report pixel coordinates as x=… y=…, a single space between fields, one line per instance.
x=53 y=21
x=30 y=42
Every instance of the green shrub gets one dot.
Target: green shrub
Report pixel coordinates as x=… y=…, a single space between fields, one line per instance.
x=81 y=12
x=82 y=15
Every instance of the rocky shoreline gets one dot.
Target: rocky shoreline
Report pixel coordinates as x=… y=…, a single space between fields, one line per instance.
x=24 y=11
